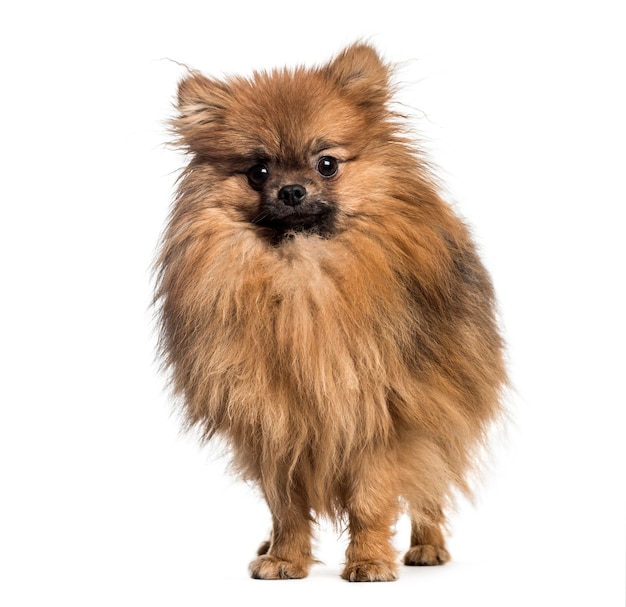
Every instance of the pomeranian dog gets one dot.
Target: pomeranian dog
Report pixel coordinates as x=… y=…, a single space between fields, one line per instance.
x=324 y=311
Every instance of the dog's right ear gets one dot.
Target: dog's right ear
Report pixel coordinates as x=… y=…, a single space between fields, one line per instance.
x=201 y=107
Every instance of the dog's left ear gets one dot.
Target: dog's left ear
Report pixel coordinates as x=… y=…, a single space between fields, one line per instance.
x=360 y=71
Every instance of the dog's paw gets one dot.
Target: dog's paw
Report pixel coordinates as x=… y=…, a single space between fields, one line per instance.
x=370 y=571
x=426 y=554
x=268 y=567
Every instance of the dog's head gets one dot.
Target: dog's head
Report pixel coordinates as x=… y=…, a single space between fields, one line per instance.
x=290 y=150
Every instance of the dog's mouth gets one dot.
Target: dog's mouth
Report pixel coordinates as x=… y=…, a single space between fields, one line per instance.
x=311 y=216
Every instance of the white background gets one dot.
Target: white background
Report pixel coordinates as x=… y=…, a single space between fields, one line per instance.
x=102 y=500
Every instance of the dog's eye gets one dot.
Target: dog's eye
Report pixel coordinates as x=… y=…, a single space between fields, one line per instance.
x=258 y=175
x=327 y=166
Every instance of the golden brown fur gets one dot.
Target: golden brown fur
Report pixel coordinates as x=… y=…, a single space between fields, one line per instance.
x=353 y=364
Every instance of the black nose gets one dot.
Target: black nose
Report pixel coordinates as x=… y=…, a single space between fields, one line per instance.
x=292 y=194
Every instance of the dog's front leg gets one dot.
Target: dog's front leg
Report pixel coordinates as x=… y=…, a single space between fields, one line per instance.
x=373 y=506
x=287 y=554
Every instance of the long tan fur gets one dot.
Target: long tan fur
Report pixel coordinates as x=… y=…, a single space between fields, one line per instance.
x=353 y=371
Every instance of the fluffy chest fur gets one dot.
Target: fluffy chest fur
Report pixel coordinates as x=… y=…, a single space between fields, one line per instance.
x=302 y=328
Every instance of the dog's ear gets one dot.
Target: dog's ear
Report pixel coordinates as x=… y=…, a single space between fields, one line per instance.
x=362 y=74
x=200 y=110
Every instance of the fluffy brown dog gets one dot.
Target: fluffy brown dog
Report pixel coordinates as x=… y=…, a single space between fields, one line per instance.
x=324 y=311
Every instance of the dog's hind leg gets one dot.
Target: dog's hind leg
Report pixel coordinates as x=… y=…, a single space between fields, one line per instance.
x=427 y=541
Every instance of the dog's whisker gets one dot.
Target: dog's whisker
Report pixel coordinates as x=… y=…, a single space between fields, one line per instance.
x=261 y=217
